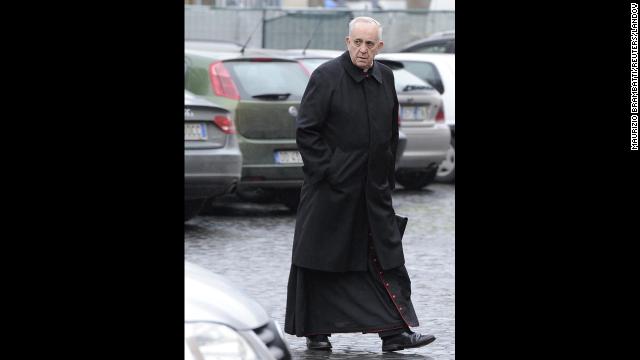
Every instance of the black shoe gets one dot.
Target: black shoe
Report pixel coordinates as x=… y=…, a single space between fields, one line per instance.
x=406 y=340
x=318 y=342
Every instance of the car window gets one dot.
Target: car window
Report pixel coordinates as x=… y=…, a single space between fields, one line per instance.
x=268 y=77
x=427 y=72
x=312 y=64
x=405 y=80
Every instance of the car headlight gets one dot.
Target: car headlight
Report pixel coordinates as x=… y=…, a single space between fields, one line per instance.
x=207 y=341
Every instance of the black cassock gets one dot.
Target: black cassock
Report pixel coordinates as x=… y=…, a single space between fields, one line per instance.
x=371 y=301
x=347 y=272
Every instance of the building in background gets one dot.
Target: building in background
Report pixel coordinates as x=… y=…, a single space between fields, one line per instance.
x=249 y=4
x=449 y=5
x=259 y=25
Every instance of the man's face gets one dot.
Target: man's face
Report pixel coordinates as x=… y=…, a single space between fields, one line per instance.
x=363 y=44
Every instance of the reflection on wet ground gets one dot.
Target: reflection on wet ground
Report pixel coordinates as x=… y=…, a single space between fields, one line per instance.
x=250 y=244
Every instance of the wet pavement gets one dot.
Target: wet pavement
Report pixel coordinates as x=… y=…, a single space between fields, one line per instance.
x=250 y=244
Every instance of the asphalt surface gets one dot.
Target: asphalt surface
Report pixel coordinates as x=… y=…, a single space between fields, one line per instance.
x=250 y=244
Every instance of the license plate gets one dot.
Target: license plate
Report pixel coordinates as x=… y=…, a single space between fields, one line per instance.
x=288 y=157
x=413 y=113
x=196 y=132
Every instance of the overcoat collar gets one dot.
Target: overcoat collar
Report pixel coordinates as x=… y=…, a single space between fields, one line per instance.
x=356 y=73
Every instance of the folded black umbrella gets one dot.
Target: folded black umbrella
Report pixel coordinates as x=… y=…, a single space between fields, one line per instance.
x=402 y=223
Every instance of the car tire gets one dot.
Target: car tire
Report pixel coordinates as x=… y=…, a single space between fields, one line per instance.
x=192 y=208
x=447 y=169
x=414 y=179
x=290 y=198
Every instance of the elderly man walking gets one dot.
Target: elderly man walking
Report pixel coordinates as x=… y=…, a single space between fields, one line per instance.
x=347 y=272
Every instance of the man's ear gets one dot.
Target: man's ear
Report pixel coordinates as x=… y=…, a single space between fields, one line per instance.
x=346 y=41
x=380 y=45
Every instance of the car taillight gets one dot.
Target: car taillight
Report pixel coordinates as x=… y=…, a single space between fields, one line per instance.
x=225 y=124
x=440 y=115
x=222 y=83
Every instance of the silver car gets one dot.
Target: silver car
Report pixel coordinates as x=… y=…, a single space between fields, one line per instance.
x=439 y=71
x=220 y=322
x=212 y=158
x=422 y=119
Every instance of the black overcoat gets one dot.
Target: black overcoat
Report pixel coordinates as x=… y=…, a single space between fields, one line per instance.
x=347 y=134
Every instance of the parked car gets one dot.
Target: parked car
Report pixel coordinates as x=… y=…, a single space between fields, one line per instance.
x=263 y=93
x=219 y=45
x=221 y=322
x=421 y=119
x=439 y=71
x=440 y=42
x=212 y=158
x=402 y=146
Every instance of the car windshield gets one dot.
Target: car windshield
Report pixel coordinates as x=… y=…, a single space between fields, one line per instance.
x=270 y=80
x=406 y=81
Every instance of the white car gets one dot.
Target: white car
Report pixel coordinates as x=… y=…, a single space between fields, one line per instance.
x=439 y=71
x=220 y=322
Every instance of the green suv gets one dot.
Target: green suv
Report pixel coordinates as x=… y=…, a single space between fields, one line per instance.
x=263 y=93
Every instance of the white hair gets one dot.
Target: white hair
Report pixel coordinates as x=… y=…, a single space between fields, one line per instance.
x=365 y=19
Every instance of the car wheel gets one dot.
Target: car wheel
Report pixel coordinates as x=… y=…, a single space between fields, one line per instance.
x=447 y=169
x=192 y=208
x=290 y=198
x=415 y=179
